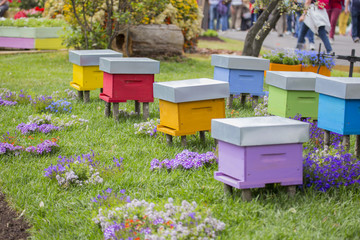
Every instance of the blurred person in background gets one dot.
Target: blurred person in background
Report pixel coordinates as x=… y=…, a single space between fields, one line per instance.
x=355 y=18
x=333 y=9
x=213 y=13
x=223 y=19
x=316 y=19
x=343 y=20
x=236 y=13
x=4 y=6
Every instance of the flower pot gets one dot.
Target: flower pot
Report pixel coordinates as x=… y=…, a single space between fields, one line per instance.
x=323 y=70
x=284 y=67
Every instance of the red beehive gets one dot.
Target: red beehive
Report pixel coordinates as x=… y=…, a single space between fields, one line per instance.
x=128 y=79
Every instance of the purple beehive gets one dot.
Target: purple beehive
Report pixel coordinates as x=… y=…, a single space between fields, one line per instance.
x=259 y=150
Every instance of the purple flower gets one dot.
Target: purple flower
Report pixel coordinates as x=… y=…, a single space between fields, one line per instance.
x=45 y=146
x=7 y=147
x=185 y=160
x=192 y=215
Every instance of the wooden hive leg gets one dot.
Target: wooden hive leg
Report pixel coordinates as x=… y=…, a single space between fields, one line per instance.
x=80 y=95
x=137 y=107
x=116 y=112
x=169 y=139
x=255 y=101
x=228 y=190
x=346 y=141
x=230 y=100
x=145 y=110
x=183 y=141
x=86 y=96
x=107 y=109
x=242 y=98
x=246 y=195
x=326 y=138
x=202 y=136
x=291 y=190
x=357 y=146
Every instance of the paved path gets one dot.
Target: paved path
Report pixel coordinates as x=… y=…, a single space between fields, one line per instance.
x=341 y=46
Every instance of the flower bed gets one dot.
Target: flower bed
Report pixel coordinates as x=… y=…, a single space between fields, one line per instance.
x=81 y=170
x=122 y=218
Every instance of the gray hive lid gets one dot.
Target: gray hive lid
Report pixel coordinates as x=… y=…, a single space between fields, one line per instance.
x=301 y=81
x=340 y=87
x=129 y=65
x=191 y=90
x=240 y=62
x=258 y=131
x=90 y=57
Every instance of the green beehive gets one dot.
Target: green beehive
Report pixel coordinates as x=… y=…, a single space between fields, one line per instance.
x=292 y=93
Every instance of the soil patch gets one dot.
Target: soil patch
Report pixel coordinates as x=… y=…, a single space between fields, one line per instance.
x=12 y=227
x=207 y=38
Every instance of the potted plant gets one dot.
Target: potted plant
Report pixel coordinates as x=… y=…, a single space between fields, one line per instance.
x=31 y=33
x=310 y=62
x=283 y=60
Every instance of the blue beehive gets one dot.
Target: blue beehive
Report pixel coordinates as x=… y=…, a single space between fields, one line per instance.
x=243 y=73
x=339 y=104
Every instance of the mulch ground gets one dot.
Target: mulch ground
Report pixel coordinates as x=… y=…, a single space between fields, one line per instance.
x=12 y=227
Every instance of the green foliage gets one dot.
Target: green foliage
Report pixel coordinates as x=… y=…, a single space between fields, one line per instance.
x=210 y=33
x=282 y=56
x=33 y=22
x=27 y=4
x=74 y=37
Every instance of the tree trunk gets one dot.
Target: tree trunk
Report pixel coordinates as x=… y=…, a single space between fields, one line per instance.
x=250 y=47
x=270 y=24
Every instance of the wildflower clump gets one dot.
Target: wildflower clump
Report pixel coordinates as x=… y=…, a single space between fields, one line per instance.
x=185 y=160
x=138 y=219
x=6 y=148
x=147 y=128
x=46 y=123
x=81 y=170
x=59 y=106
x=8 y=98
x=331 y=168
x=16 y=144
x=44 y=147
x=262 y=107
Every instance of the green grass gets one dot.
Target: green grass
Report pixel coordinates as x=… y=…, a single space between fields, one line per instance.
x=67 y=214
x=228 y=44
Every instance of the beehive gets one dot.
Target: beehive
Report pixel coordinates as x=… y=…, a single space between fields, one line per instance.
x=128 y=79
x=243 y=73
x=339 y=104
x=259 y=150
x=188 y=106
x=86 y=73
x=292 y=93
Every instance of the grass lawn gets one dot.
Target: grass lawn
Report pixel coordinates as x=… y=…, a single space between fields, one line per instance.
x=66 y=213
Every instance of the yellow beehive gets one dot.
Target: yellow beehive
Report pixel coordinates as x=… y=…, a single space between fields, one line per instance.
x=86 y=73
x=186 y=118
x=87 y=78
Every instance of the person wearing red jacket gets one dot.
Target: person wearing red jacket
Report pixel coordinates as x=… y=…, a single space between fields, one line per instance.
x=333 y=9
